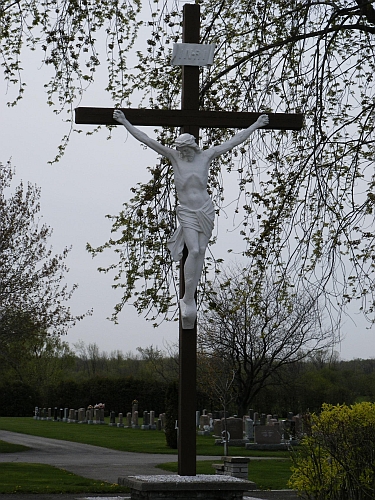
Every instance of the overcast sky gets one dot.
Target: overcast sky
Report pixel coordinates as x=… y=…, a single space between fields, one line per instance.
x=94 y=179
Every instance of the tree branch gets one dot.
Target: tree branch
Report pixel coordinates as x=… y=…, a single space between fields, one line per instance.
x=281 y=43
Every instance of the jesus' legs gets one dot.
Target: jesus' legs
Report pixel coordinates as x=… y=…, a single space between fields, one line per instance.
x=196 y=243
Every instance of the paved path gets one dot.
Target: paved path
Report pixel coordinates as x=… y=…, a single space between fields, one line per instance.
x=95 y=462
x=85 y=460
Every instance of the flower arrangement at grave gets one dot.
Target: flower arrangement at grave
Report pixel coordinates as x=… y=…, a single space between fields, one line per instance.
x=99 y=406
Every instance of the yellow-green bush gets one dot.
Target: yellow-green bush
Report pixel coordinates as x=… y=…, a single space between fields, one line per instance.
x=337 y=460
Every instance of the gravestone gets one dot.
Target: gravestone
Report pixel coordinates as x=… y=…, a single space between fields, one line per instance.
x=249 y=429
x=298 y=426
x=204 y=422
x=120 y=420
x=128 y=420
x=102 y=415
x=162 y=418
x=82 y=416
x=135 y=420
x=146 y=422
x=204 y=426
x=234 y=427
x=90 y=416
x=96 y=416
x=112 y=419
x=134 y=409
x=218 y=427
x=152 y=420
x=267 y=434
x=71 y=416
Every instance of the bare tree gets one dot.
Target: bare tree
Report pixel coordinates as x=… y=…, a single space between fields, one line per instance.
x=163 y=365
x=260 y=326
x=217 y=376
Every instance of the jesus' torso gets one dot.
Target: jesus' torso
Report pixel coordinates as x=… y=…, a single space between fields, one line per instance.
x=191 y=179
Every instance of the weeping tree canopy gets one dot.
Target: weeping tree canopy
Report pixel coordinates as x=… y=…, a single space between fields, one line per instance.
x=305 y=200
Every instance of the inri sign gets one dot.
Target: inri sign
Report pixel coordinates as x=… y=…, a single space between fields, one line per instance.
x=193 y=54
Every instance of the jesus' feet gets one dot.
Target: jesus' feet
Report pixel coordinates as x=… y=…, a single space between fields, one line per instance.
x=188 y=311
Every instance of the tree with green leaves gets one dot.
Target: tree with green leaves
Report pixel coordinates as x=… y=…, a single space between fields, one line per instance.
x=33 y=295
x=305 y=200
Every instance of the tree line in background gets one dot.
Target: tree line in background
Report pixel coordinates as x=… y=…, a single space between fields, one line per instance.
x=51 y=374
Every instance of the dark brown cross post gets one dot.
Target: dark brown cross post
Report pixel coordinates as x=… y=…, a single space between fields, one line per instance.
x=190 y=119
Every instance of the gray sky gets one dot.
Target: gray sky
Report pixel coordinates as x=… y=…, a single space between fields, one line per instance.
x=94 y=179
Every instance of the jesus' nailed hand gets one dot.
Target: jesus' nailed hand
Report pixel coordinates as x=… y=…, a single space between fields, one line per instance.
x=195 y=211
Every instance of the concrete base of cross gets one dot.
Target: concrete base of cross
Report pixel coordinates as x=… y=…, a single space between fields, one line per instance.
x=209 y=487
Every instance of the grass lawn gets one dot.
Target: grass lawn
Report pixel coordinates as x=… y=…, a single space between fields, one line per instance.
x=119 y=439
x=38 y=478
x=11 y=448
x=266 y=474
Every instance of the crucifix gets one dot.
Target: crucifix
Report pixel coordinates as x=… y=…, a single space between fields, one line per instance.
x=190 y=119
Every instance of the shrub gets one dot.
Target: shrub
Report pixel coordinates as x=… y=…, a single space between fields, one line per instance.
x=337 y=461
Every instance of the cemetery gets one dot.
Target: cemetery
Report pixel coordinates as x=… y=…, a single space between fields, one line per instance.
x=255 y=431
x=297 y=186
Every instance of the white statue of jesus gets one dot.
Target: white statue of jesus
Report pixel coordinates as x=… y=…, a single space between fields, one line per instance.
x=195 y=212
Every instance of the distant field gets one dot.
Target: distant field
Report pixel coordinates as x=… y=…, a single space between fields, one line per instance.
x=119 y=439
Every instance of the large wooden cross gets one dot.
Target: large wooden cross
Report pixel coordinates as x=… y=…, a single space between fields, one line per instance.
x=190 y=118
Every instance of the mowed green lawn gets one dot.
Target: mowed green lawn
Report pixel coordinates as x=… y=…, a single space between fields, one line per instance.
x=39 y=478
x=118 y=439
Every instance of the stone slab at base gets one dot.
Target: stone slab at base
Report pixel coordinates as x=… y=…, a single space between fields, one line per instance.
x=200 y=487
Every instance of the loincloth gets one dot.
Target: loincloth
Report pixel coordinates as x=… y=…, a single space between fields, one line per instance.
x=201 y=220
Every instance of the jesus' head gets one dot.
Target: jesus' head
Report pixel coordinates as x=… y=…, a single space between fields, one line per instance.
x=186 y=146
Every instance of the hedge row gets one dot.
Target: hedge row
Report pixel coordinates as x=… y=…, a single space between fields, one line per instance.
x=18 y=399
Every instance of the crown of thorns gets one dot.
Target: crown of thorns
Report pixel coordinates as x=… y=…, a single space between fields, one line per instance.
x=185 y=140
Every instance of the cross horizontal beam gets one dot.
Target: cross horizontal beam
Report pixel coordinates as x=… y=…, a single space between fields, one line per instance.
x=180 y=118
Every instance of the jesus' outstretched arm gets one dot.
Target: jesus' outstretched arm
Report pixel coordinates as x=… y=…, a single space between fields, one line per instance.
x=119 y=116
x=237 y=139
